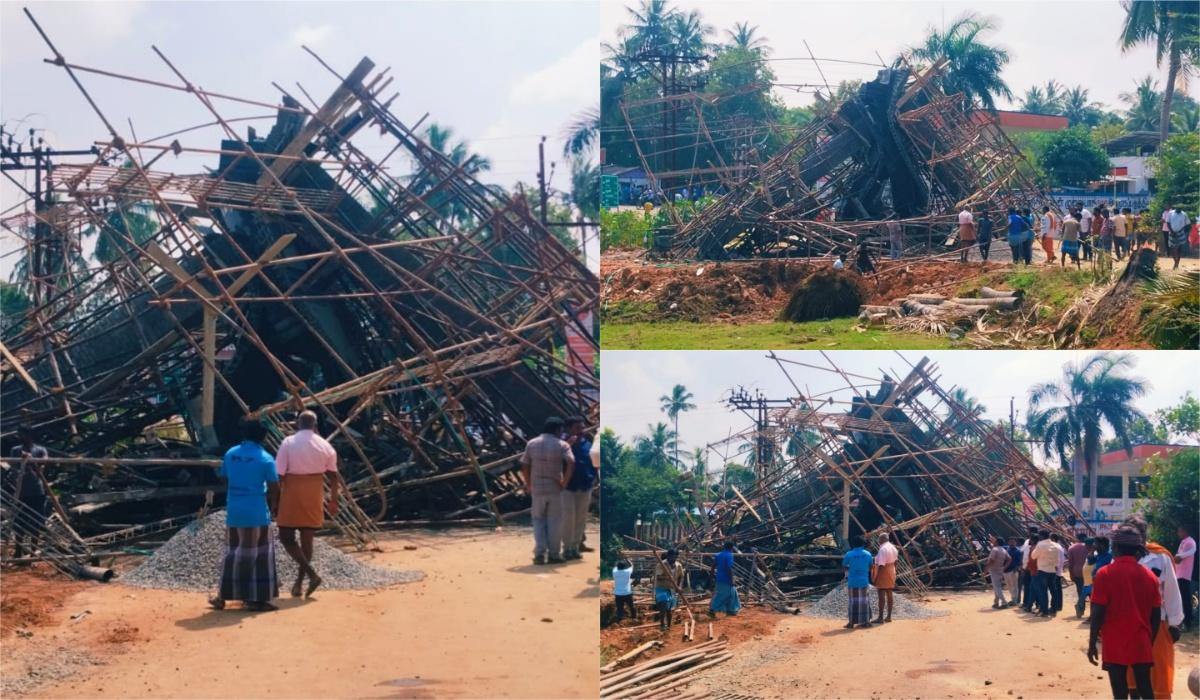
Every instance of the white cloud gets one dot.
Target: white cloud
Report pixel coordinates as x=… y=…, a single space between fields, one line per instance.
x=574 y=77
x=312 y=36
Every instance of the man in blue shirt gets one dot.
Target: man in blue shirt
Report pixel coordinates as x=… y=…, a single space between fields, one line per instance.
x=726 y=597
x=1020 y=237
x=1013 y=570
x=577 y=496
x=857 y=564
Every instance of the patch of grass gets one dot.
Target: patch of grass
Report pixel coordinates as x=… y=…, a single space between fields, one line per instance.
x=837 y=333
x=627 y=311
x=1055 y=287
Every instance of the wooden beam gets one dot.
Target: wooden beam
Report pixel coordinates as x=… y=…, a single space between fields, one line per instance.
x=19 y=369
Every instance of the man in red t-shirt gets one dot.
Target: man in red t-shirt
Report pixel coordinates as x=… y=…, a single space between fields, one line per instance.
x=1125 y=615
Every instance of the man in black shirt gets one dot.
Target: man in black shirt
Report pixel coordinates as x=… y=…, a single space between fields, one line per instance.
x=24 y=481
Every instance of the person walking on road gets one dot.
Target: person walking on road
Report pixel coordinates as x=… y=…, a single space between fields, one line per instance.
x=1177 y=226
x=725 y=597
x=966 y=233
x=1077 y=555
x=983 y=231
x=546 y=466
x=306 y=464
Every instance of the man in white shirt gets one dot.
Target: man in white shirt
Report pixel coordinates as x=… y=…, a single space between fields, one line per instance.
x=1045 y=557
x=306 y=464
x=1177 y=233
x=966 y=233
x=1056 y=597
x=1085 y=222
x=885 y=575
x=1185 y=561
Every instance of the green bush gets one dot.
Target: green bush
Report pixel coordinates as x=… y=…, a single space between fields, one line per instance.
x=624 y=229
x=1174 y=495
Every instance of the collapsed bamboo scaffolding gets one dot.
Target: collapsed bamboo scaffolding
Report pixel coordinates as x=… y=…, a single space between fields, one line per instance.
x=901 y=151
x=431 y=321
x=900 y=456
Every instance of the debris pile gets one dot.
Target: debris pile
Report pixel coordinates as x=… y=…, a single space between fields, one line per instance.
x=835 y=603
x=826 y=293
x=431 y=321
x=661 y=676
x=191 y=561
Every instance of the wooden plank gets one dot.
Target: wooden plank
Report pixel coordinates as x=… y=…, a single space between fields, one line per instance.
x=19 y=369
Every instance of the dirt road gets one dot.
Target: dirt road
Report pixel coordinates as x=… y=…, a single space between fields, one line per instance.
x=483 y=623
x=973 y=652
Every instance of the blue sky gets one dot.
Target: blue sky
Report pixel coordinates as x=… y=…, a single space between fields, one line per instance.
x=500 y=74
x=632 y=381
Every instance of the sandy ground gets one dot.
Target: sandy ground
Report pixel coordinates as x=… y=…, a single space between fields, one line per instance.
x=974 y=652
x=484 y=623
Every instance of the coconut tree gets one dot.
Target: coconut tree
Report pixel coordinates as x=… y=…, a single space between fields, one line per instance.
x=745 y=36
x=582 y=132
x=975 y=66
x=654 y=448
x=1144 y=106
x=1078 y=109
x=1068 y=417
x=1173 y=27
x=689 y=33
x=678 y=401
x=1186 y=119
x=585 y=187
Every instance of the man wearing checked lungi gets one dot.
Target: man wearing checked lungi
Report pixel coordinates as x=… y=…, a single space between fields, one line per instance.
x=306 y=463
x=668 y=576
x=858 y=564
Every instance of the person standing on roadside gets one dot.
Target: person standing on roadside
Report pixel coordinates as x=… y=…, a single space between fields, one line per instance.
x=1012 y=572
x=1126 y=614
x=1185 y=563
x=725 y=597
x=306 y=464
x=997 y=561
x=857 y=563
x=983 y=231
x=546 y=466
x=577 y=496
x=966 y=233
x=885 y=575
x=1077 y=555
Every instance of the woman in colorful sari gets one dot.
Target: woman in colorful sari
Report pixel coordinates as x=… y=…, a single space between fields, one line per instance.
x=248 y=569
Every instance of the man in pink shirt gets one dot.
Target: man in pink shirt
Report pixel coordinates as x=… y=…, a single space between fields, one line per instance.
x=306 y=464
x=1185 y=560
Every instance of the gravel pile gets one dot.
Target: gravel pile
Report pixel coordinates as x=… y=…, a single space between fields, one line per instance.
x=836 y=603
x=191 y=561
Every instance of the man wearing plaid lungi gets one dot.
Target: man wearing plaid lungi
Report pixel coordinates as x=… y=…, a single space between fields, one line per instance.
x=857 y=564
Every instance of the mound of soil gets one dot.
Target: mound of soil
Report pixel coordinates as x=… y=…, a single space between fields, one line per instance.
x=826 y=293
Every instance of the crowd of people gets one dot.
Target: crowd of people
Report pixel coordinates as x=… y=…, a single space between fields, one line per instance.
x=1095 y=234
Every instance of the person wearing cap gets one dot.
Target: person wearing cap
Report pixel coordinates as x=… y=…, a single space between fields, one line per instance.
x=668 y=576
x=1126 y=615
x=1157 y=559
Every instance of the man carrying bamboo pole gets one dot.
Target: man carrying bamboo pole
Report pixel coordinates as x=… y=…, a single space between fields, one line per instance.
x=26 y=485
x=547 y=465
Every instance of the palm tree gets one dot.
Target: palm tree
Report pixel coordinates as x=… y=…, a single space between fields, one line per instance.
x=648 y=27
x=441 y=140
x=1186 y=119
x=678 y=401
x=744 y=36
x=689 y=33
x=582 y=132
x=1145 y=104
x=585 y=187
x=975 y=67
x=1034 y=101
x=1078 y=110
x=1173 y=27
x=653 y=449
x=1090 y=395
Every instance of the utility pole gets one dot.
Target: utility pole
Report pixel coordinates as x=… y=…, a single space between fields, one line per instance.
x=542 y=194
x=760 y=404
x=1012 y=418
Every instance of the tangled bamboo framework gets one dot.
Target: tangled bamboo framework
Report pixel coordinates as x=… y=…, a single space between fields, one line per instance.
x=880 y=455
x=431 y=321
